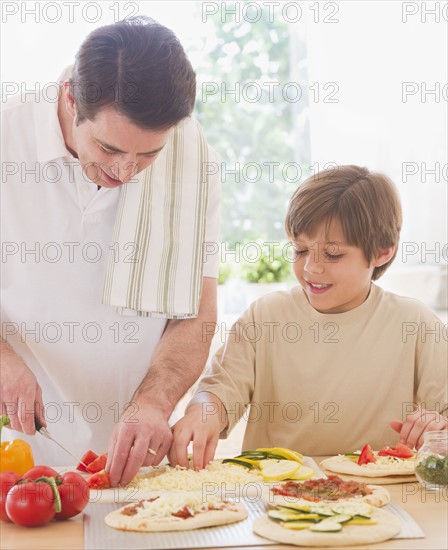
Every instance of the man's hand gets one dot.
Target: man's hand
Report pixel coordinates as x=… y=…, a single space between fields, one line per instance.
x=205 y=418
x=131 y=438
x=176 y=364
x=21 y=395
x=416 y=424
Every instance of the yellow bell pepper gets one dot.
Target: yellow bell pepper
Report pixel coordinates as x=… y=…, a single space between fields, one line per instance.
x=16 y=455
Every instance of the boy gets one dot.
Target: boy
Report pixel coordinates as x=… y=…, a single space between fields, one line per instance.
x=327 y=365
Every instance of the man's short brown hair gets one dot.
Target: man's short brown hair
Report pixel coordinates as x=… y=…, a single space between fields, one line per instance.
x=138 y=67
x=365 y=203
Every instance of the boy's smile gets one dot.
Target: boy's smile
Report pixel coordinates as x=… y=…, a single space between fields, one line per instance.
x=317 y=288
x=334 y=275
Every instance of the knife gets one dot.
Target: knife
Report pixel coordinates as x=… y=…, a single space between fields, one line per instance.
x=43 y=431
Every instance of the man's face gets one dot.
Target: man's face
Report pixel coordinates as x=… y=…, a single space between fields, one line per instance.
x=112 y=150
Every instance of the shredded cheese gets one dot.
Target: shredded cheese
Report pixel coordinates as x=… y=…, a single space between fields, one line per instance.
x=167 y=504
x=391 y=462
x=166 y=478
x=386 y=463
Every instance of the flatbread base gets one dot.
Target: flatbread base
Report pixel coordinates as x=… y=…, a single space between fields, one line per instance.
x=386 y=480
x=349 y=470
x=212 y=518
x=379 y=497
x=388 y=526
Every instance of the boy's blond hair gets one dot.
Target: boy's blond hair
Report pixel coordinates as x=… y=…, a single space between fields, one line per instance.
x=365 y=203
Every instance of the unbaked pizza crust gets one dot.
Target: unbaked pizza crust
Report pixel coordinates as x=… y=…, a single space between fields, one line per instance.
x=388 y=526
x=387 y=480
x=379 y=497
x=212 y=518
x=352 y=471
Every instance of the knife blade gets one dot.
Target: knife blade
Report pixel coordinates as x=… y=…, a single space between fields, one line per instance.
x=43 y=431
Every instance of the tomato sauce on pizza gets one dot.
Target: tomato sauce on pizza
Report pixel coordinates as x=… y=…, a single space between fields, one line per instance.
x=315 y=490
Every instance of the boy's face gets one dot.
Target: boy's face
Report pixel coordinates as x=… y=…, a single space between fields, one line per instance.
x=335 y=276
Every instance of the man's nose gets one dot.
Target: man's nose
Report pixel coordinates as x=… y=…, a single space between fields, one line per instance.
x=125 y=170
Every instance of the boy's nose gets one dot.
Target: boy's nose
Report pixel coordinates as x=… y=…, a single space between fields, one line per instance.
x=314 y=264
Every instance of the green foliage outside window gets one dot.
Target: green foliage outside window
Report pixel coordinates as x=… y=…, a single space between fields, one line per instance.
x=261 y=136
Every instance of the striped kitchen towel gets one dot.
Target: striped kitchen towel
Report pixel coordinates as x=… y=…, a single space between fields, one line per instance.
x=156 y=258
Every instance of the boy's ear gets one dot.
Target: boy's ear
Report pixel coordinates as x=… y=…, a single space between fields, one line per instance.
x=383 y=256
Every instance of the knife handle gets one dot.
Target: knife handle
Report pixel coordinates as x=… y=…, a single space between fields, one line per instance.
x=37 y=425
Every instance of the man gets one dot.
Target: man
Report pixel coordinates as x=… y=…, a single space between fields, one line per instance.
x=97 y=379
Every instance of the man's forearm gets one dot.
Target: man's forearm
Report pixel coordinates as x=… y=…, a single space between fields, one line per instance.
x=180 y=356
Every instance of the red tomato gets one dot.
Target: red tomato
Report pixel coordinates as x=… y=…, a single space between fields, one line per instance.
x=30 y=504
x=100 y=480
x=7 y=481
x=98 y=464
x=400 y=451
x=40 y=471
x=89 y=457
x=74 y=493
x=366 y=455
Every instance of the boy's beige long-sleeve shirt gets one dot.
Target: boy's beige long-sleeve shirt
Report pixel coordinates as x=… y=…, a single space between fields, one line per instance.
x=329 y=383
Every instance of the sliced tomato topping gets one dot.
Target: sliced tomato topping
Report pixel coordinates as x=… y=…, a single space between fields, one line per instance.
x=98 y=464
x=399 y=451
x=184 y=513
x=89 y=457
x=366 y=455
x=99 y=480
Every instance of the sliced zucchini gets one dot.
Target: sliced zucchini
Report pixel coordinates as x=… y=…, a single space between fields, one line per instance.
x=326 y=526
x=361 y=521
x=322 y=510
x=253 y=455
x=296 y=525
x=273 y=455
x=255 y=462
x=356 y=509
x=269 y=453
x=238 y=462
x=282 y=515
x=298 y=508
x=342 y=518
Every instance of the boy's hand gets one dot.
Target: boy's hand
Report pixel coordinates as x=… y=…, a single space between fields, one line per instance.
x=416 y=424
x=202 y=429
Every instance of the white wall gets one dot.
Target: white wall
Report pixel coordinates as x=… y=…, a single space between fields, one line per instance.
x=373 y=50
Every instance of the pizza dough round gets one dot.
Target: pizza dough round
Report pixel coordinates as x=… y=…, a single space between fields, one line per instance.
x=379 y=497
x=387 y=527
x=127 y=494
x=387 y=480
x=211 y=518
x=343 y=465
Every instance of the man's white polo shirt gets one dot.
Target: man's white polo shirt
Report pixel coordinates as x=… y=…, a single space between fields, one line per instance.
x=56 y=235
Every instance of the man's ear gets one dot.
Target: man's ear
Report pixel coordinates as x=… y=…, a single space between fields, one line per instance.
x=383 y=256
x=69 y=99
